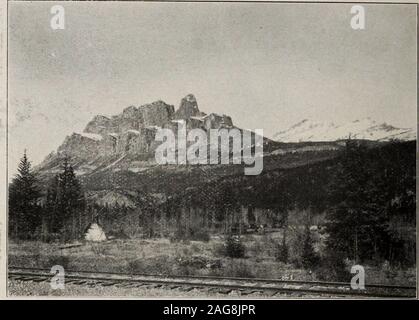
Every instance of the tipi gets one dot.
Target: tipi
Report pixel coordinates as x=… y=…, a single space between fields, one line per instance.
x=94 y=232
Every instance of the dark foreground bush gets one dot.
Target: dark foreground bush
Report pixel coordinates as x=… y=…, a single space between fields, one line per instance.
x=333 y=268
x=281 y=252
x=309 y=258
x=233 y=247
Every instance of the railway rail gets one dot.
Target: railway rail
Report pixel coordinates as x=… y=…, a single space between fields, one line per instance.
x=224 y=285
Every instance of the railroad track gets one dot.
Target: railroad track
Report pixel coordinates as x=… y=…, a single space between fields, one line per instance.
x=224 y=285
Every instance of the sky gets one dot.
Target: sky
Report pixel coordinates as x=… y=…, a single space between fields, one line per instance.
x=267 y=65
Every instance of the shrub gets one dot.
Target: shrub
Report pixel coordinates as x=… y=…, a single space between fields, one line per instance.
x=196 y=262
x=281 y=253
x=309 y=258
x=333 y=268
x=301 y=250
x=234 y=248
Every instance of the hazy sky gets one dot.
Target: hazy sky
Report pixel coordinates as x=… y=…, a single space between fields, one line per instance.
x=266 y=65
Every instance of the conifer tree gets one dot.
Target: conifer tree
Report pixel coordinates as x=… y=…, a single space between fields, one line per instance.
x=23 y=197
x=66 y=203
x=353 y=209
x=309 y=257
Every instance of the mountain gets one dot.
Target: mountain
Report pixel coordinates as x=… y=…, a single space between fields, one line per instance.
x=114 y=156
x=366 y=129
x=126 y=141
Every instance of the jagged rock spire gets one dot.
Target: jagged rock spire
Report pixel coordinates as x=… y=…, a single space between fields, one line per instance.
x=188 y=108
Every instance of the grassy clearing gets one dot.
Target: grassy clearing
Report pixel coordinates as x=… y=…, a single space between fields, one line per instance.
x=161 y=256
x=157 y=256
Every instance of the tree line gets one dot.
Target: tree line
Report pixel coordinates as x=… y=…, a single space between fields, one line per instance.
x=41 y=214
x=367 y=195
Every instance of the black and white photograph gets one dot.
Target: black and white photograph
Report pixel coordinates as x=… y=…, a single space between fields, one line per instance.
x=211 y=150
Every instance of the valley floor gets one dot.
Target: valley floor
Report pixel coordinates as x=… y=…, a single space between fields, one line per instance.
x=163 y=257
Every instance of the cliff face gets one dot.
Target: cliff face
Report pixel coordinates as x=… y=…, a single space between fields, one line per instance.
x=132 y=118
x=131 y=133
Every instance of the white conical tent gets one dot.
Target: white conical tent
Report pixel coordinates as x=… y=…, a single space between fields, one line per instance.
x=95 y=233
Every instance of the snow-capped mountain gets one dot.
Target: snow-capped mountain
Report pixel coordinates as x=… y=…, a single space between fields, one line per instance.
x=367 y=128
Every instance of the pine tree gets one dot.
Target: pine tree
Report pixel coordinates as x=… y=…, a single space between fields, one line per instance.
x=23 y=197
x=66 y=203
x=309 y=257
x=355 y=213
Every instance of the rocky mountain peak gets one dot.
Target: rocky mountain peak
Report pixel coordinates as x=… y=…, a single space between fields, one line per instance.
x=131 y=133
x=188 y=108
x=190 y=98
